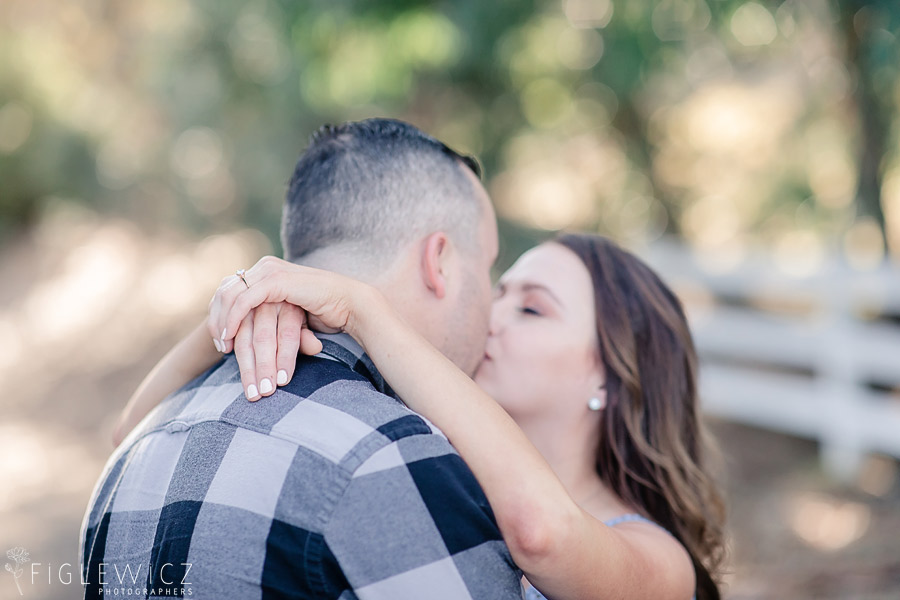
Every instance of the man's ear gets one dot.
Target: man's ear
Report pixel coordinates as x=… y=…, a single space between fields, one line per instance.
x=435 y=253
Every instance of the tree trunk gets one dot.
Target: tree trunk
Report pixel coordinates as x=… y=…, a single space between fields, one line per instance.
x=874 y=119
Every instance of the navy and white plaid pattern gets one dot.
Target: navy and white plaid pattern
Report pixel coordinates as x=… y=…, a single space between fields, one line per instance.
x=329 y=488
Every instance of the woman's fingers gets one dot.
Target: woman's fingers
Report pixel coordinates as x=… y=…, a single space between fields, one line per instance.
x=265 y=325
x=290 y=321
x=217 y=309
x=243 y=352
x=235 y=299
x=266 y=346
x=222 y=303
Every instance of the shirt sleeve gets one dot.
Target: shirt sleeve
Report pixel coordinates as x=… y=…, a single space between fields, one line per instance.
x=414 y=523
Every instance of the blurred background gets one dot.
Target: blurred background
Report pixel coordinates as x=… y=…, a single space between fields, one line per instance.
x=748 y=150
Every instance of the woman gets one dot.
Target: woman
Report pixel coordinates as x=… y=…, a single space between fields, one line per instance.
x=581 y=424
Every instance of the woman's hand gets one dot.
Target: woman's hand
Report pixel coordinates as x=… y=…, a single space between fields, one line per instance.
x=266 y=320
x=266 y=346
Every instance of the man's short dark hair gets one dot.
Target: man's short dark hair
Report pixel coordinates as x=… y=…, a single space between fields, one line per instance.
x=373 y=185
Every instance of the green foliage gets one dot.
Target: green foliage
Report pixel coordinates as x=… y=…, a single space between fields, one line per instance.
x=192 y=113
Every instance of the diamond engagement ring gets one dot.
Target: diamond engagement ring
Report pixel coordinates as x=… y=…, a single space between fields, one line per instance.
x=240 y=273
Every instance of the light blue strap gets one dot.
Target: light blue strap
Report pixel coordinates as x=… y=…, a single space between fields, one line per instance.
x=629 y=518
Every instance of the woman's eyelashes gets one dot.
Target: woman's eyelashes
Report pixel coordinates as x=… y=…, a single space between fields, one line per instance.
x=528 y=305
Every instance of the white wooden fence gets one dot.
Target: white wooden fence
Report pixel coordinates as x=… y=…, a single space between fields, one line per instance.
x=815 y=356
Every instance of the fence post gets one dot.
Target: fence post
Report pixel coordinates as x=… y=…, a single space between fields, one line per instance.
x=837 y=381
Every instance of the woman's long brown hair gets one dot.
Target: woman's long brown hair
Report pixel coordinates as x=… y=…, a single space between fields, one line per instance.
x=653 y=445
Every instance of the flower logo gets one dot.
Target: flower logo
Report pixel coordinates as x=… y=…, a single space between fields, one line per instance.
x=19 y=556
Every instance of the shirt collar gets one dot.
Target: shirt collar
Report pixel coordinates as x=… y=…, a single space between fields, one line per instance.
x=343 y=348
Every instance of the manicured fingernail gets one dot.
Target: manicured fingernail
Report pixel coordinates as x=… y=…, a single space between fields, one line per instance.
x=281 y=377
x=252 y=392
x=217 y=344
x=265 y=386
x=223 y=336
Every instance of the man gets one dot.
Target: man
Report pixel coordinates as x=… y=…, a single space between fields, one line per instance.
x=330 y=487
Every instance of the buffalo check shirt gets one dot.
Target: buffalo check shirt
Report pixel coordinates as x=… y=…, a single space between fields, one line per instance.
x=329 y=488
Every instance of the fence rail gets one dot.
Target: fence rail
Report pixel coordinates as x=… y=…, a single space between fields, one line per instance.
x=815 y=356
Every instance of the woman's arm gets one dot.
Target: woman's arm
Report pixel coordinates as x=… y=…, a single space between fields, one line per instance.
x=564 y=551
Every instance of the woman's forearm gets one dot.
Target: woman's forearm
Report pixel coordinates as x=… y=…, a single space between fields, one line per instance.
x=187 y=359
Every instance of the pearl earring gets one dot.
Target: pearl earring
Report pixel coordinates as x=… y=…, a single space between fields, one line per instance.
x=596 y=404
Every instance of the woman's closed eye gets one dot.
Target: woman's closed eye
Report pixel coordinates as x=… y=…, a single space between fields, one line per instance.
x=529 y=310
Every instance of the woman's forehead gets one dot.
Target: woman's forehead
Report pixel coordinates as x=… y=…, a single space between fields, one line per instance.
x=551 y=265
x=548 y=262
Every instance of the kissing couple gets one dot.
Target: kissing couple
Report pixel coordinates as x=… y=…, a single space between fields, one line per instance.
x=370 y=418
